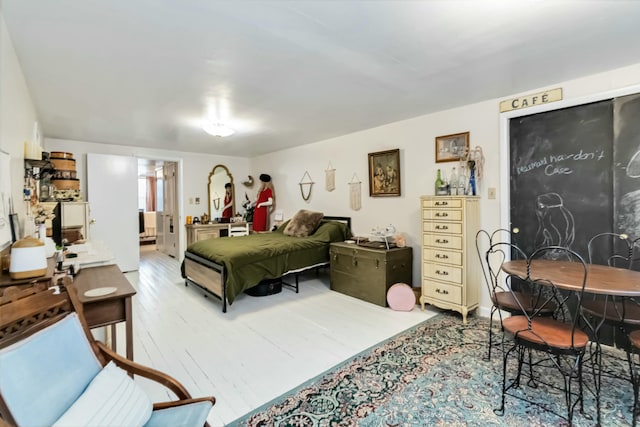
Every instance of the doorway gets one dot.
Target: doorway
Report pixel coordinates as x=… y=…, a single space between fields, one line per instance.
x=157 y=205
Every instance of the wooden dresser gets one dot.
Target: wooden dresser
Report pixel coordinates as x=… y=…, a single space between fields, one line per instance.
x=367 y=273
x=450 y=267
x=197 y=232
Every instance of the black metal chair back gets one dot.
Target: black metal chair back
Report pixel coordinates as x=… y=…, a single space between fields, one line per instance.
x=612 y=249
x=560 y=341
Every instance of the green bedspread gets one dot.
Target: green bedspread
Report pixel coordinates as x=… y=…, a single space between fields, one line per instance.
x=249 y=259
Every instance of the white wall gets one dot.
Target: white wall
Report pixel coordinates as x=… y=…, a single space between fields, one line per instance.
x=348 y=155
x=194 y=169
x=415 y=139
x=17 y=115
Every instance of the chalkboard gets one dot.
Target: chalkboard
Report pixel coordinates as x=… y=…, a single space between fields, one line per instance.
x=562 y=176
x=626 y=164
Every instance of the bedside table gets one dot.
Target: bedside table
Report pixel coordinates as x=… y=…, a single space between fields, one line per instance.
x=367 y=273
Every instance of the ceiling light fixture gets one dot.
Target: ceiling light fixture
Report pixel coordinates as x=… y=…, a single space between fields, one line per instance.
x=217 y=129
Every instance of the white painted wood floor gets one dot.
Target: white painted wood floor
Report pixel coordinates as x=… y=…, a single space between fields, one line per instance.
x=261 y=348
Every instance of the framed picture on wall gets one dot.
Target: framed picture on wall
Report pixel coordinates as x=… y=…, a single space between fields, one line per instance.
x=451 y=148
x=384 y=173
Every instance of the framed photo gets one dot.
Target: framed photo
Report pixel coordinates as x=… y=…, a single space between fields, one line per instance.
x=384 y=173
x=451 y=148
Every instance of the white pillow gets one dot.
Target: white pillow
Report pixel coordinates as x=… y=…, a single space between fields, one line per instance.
x=112 y=399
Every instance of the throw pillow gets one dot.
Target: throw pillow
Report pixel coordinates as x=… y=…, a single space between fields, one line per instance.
x=303 y=223
x=112 y=399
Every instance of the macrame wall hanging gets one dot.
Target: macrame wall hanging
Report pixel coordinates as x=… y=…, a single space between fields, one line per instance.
x=330 y=178
x=355 y=193
x=306 y=191
x=216 y=201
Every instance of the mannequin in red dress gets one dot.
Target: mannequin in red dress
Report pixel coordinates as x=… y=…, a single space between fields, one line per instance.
x=263 y=202
x=227 y=210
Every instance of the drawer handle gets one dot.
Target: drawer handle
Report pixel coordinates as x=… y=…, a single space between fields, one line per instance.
x=443 y=291
x=442 y=214
x=442 y=203
x=377 y=263
x=442 y=241
x=442 y=227
x=355 y=262
x=442 y=256
x=442 y=273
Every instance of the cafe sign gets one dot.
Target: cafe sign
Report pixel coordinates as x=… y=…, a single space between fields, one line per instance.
x=531 y=100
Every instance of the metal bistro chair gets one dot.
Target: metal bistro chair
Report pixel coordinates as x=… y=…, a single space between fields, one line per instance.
x=558 y=342
x=503 y=290
x=615 y=250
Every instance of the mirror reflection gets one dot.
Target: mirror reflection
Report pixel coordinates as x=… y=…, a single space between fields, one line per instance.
x=221 y=193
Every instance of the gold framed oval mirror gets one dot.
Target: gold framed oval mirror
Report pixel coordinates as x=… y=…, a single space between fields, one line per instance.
x=218 y=196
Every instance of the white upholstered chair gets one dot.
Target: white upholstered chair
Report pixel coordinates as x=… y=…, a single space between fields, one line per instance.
x=53 y=373
x=238 y=230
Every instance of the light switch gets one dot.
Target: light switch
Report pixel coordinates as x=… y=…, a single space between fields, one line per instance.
x=491 y=193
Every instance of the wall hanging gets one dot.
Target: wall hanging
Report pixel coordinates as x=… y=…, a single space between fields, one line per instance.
x=306 y=192
x=355 y=193
x=384 y=173
x=330 y=178
x=249 y=182
x=451 y=148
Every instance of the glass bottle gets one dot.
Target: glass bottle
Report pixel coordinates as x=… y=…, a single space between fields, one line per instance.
x=438 y=183
x=454 y=182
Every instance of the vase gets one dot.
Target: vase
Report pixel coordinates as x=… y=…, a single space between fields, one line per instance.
x=42 y=232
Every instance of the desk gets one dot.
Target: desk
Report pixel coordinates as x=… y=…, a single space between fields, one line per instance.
x=6 y=280
x=601 y=279
x=89 y=254
x=108 y=309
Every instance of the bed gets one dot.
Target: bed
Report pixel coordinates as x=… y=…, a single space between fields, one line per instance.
x=227 y=266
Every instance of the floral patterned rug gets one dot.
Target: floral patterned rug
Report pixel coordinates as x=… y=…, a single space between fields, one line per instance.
x=434 y=375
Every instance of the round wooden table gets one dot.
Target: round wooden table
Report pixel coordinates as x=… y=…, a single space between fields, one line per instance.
x=601 y=279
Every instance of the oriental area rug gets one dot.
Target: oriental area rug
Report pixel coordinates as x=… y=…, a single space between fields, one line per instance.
x=435 y=375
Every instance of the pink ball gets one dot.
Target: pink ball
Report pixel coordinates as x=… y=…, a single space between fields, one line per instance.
x=400 y=297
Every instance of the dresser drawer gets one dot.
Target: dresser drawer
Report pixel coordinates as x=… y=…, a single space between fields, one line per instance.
x=442 y=291
x=442 y=203
x=448 y=273
x=442 y=214
x=446 y=257
x=442 y=241
x=442 y=227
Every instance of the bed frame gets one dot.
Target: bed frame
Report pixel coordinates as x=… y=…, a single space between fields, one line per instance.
x=210 y=276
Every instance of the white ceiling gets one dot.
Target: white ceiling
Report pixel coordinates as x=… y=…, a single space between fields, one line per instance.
x=287 y=73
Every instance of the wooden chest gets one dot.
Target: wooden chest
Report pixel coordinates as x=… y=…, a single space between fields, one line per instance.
x=367 y=273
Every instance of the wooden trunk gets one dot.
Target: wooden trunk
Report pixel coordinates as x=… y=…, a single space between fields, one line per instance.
x=367 y=273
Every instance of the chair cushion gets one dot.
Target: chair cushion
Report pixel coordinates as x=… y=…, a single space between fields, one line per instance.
x=112 y=399
x=42 y=375
x=191 y=415
x=303 y=223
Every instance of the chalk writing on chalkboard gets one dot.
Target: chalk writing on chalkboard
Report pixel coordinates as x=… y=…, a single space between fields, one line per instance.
x=556 y=164
x=556 y=226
